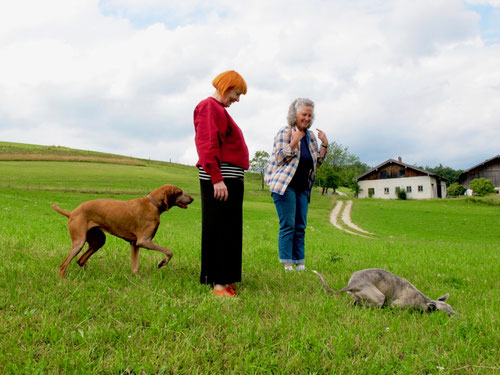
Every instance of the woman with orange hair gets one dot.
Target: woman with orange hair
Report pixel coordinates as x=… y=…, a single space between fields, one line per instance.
x=223 y=158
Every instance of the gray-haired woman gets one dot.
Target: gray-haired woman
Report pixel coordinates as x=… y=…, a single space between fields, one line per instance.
x=290 y=177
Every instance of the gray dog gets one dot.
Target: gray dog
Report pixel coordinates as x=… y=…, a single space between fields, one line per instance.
x=376 y=286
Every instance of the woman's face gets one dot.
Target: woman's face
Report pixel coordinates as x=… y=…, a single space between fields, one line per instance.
x=304 y=117
x=233 y=95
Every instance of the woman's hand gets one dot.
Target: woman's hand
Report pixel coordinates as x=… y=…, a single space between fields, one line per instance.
x=322 y=137
x=220 y=191
x=297 y=135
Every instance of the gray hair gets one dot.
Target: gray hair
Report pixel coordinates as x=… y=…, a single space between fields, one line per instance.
x=295 y=107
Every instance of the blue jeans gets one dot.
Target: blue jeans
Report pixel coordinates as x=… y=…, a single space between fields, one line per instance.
x=292 y=212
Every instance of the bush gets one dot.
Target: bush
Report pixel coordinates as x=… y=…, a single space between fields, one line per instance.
x=356 y=189
x=482 y=186
x=490 y=200
x=455 y=189
x=401 y=193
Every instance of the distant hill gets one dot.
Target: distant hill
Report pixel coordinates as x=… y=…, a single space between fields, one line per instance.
x=31 y=174
x=52 y=168
x=24 y=151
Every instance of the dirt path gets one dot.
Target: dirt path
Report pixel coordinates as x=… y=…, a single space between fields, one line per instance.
x=346 y=218
x=341 y=219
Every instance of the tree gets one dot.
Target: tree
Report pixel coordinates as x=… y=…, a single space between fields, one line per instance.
x=455 y=189
x=327 y=178
x=346 y=165
x=259 y=164
x=482 y=186
x=449 y=173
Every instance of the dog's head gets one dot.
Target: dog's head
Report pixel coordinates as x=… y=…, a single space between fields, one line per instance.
x=174 y=196
x=440 y=305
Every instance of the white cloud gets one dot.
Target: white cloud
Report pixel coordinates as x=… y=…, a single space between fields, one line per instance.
x=389 y=78
x=494 y=3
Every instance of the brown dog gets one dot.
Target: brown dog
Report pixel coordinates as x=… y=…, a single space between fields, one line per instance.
x=136 y=221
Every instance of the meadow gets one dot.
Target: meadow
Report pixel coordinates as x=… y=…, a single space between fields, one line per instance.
x=104 y=320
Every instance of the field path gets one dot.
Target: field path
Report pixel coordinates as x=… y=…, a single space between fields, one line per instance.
x=339 y=216
x=346 y=218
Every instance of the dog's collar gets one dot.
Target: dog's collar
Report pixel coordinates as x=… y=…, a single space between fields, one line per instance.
x=154 y=201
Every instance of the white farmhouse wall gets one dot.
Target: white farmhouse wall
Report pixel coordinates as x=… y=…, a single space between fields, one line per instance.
x=428 y=183
x=443 y=189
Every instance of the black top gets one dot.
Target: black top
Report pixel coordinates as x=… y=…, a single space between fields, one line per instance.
x=300 y=180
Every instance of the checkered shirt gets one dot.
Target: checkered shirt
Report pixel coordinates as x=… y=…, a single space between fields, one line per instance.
x=284 y=161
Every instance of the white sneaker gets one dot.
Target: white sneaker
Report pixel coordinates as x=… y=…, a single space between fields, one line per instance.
x=288 y=268
x=301 y=267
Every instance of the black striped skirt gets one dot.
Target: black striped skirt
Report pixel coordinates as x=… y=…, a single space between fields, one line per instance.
x=222 y=233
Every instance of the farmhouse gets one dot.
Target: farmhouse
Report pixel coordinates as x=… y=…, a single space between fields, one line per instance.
x=387 y=178
x=489 y=169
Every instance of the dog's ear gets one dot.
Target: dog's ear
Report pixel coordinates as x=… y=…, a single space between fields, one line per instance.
x=170 y=196
x=443 y=298
x=431 y=306
x=167 y=194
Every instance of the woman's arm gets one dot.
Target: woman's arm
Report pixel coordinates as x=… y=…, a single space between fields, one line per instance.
x=283 y=147
x=211 y=126
x=323 y=147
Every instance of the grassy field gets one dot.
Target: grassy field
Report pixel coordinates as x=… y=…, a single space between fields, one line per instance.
x=102 y=319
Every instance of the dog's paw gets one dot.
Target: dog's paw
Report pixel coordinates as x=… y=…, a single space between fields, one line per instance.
x=163 y=262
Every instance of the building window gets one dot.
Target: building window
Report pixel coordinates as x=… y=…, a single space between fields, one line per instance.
x=420 y=188
x=371 y=192
x=402 y=173
x=386 y=190
x=383 y=174
x=408 y=189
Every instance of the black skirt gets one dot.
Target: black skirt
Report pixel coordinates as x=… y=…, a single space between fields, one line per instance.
x=221 y=234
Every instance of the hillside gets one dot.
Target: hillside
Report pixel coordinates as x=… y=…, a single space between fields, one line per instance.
x=104 y=319
x=24 y=151
x=57 y=168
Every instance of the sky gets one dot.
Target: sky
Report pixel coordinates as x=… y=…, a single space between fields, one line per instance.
x=416 y=79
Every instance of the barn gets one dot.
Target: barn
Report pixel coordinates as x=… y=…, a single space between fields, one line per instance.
x=387 y=178
x=489 y=169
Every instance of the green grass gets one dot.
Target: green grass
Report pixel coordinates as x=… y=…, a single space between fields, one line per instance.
x=22 y=151
x=93 y=177
x=102 y=319
x=490 y=200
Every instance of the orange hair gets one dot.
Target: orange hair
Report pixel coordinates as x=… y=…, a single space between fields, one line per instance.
x=228 y=80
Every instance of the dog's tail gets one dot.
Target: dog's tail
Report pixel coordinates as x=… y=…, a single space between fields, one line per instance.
x=61 y=211
x=325 y=285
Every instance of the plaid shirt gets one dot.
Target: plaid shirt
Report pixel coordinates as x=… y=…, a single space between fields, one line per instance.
x=284 y=161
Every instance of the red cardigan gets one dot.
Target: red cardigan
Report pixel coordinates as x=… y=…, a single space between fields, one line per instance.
x=218 y=139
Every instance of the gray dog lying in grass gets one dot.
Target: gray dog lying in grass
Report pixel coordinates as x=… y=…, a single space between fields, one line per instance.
x=376 y=287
